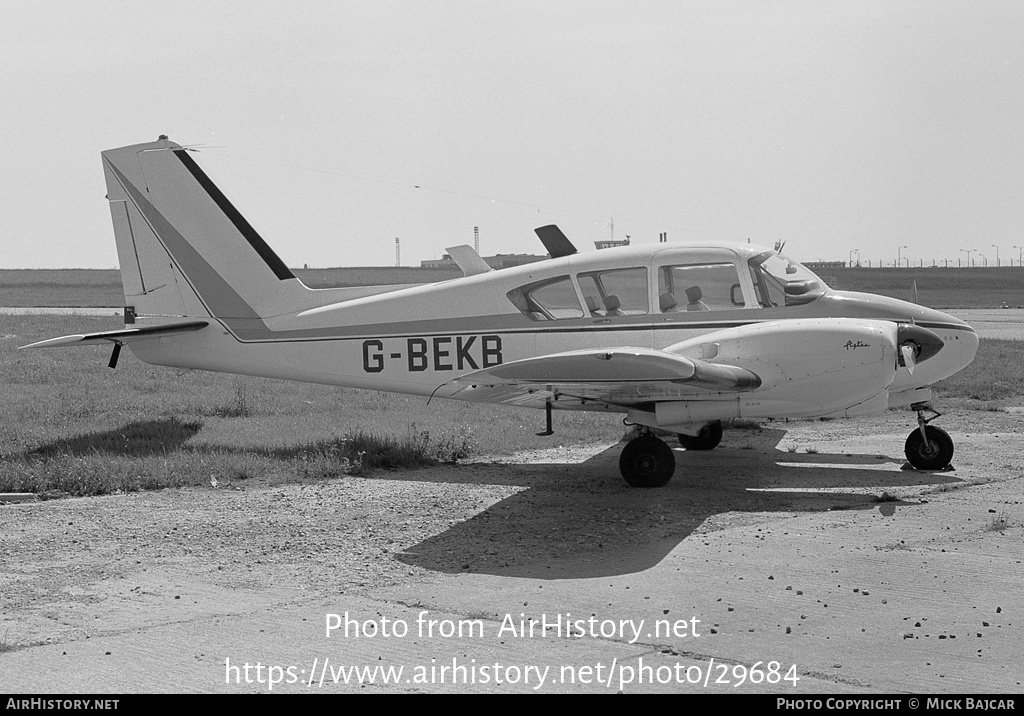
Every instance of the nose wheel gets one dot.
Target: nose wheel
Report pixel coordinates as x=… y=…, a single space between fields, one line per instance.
x=928 y=447
x=647 y=461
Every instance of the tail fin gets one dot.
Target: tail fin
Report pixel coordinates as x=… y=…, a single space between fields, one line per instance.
x=185 y=251
x=555 y=241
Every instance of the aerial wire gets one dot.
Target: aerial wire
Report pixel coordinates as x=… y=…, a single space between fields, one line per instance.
x=452 y=192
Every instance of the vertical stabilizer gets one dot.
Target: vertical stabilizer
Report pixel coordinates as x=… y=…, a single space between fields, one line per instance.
x=468 y=260
x=184 y=248
x=555 y=241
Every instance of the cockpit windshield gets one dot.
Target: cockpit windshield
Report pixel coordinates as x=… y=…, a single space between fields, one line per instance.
x=780 y=281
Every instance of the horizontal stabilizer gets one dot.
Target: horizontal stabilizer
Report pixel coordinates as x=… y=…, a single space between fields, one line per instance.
x=122 y=336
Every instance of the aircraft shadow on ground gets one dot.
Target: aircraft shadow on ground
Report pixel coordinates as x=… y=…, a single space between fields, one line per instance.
x=573 y=520
x=141 y=438
x=582 y=520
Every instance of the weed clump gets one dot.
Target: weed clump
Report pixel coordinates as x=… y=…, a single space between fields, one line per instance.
x=241 y=404
x=998 y=523
x=444 y=449
x=6 y=644
x=158 y=454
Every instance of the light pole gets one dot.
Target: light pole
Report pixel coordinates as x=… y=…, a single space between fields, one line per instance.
x=1020 y=255
x=852 y=252
x=997 y=253
x=969 y=252
x=898 y=259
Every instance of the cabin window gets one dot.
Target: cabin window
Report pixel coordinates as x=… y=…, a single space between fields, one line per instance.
x=549 y=300
x=615 y=292
x=699 y=287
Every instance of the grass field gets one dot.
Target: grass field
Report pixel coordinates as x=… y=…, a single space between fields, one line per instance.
x=61 y=287
x=995 y=378
x=71 y=426
x=938 y=288
x=102 y=287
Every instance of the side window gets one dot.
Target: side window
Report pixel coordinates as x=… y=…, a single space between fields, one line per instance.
x=699 y=287
x=617 y=292
x=547 y=300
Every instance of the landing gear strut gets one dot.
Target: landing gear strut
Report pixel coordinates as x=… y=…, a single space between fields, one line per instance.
x=928 y=447
x=647 y=461
x=707 y=439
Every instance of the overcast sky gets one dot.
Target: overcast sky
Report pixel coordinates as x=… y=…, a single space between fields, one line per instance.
x=833 y=126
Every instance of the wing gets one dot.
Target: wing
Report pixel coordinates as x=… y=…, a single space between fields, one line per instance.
x=614 y=377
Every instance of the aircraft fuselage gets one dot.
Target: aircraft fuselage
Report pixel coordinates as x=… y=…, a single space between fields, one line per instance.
x=415 y=340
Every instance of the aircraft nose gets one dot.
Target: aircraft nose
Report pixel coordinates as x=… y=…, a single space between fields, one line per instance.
x=959 y=342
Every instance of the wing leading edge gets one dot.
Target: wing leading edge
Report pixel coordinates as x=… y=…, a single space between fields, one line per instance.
x=617 y=377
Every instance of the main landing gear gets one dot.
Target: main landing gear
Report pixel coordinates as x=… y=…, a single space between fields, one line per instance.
x=707 y=439
x=928 y=447
x=647 y=461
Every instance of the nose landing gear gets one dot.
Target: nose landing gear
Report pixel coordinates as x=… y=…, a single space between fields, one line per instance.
x=928 y=447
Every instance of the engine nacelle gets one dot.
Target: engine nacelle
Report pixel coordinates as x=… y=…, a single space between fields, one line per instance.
x=808 y=368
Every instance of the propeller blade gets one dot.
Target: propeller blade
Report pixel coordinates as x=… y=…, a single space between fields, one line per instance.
x=909 y=356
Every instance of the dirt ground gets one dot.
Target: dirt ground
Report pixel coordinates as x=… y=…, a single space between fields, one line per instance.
x=804 y=544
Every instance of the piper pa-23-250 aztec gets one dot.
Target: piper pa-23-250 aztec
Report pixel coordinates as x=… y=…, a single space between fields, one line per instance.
x=679 y=337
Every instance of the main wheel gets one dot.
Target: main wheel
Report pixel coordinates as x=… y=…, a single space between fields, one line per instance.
x=707 y=439
x=647 y=461
x=934 y=454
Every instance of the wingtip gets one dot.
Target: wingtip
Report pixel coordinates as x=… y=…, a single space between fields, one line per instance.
x=54 y=342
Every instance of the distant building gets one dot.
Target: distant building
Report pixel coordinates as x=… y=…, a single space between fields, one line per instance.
x=444 y=262
x=812 y=265
x=611 y=243
x=500 y=261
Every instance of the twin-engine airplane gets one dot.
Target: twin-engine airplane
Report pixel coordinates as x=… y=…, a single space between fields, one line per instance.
x=679 y=337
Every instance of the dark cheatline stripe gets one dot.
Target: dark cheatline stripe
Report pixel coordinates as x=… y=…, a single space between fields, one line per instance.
x=244 y=227
x=946 y=326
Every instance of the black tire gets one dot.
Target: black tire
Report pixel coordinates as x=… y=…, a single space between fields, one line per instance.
x=707 y=439
x=933 y=455
x=647 y=461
